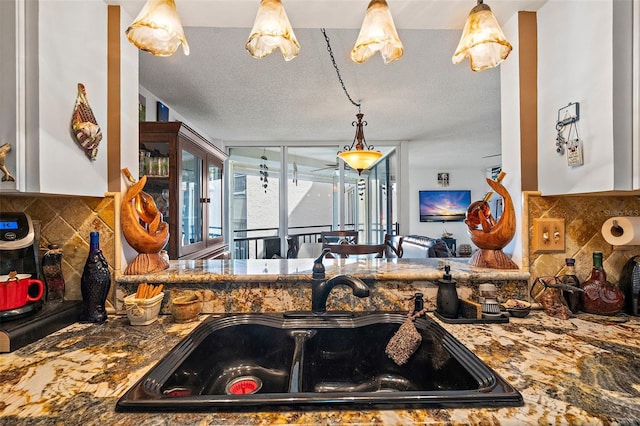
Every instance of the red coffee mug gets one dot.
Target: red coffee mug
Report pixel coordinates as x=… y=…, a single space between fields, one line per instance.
x=14 y=292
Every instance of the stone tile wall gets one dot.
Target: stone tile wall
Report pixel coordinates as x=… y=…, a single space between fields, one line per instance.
x=584 y=216
x=67 y=221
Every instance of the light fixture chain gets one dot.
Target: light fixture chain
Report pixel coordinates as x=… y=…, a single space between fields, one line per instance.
x=333 y=60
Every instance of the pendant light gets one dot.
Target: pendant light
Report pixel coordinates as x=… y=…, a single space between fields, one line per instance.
x=272 y=30
x=377 y=34
x=359 y=155
x=158 y=29
x=482 y=40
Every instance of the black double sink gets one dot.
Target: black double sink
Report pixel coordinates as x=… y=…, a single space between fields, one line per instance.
x=255 y=362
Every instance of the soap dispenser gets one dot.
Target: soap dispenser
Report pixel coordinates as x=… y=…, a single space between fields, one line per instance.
x=447 y=298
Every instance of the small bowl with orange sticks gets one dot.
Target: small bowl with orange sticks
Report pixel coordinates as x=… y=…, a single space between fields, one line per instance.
x=143 y=306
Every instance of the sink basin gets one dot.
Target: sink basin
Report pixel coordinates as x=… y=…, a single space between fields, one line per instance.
x=252 y=362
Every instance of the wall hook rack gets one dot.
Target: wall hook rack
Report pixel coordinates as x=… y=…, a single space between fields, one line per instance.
x=569 y=114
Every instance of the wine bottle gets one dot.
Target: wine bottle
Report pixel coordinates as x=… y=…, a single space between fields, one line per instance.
x=600 y=296
x=52 y=272
x=473 y=212
x=570 y=279
x=95 y=283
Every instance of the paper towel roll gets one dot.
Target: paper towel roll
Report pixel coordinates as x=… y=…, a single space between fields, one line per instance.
x=622 y=231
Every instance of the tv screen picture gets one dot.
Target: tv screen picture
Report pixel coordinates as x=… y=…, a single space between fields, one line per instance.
x=444 y=206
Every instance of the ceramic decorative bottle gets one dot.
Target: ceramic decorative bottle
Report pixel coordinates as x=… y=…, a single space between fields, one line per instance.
x=52 y=272
x=600 y=296
x=447 y=298
x=570 y=279
x=95 y=283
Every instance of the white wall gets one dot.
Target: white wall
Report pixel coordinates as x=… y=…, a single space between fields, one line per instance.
x=128 y=99
x=129 y=115
x=151 y=112
x=576 y=64
x=510 y=117
x=8 y=130
x=424 y=176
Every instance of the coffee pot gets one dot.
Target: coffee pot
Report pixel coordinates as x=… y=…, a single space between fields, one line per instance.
x=18 y=245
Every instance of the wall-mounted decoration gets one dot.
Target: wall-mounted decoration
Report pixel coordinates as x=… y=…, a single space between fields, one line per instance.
x=443 y=179
x=494 y=172
x=567 y=117
x=362 y=185
x=142 y=108
x=294 y=174
x=162 y=112
x=4 y=150
x=264 y=173
x=84 y=125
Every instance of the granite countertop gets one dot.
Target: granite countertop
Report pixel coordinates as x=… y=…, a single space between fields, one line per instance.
x=585 y=370
x=280 y=270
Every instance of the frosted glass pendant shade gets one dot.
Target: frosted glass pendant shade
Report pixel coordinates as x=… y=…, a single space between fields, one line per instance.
x=482 y=40
x=272 y=30
x=377 y=34
x=158 y=29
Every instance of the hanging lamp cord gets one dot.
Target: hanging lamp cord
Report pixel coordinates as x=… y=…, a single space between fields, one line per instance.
x=333 y=61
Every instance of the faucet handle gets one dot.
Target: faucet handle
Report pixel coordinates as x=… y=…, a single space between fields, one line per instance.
x=318 y=267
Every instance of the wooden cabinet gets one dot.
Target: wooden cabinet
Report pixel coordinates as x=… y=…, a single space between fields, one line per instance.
x=184 y=175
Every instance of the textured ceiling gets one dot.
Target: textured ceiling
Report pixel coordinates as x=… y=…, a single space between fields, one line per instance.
x=450 y=113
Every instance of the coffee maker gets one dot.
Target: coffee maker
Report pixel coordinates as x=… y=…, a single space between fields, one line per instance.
x=18 y=244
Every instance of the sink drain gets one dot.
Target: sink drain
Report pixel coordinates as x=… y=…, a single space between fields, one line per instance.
x=243 y=385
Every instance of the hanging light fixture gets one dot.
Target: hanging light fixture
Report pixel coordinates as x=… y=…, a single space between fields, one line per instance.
x=271 y=30
x=482 y=40
x=359 y=155
x=158 y=29
x=377 y=34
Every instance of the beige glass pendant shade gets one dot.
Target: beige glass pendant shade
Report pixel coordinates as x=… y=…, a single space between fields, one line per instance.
x=377 y=34
x=359 y=159
x=482 y=40
x=359 y=156
x=272 y=30
x=158 y=29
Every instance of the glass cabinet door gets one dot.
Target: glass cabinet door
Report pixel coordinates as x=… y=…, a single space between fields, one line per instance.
x=191 y=194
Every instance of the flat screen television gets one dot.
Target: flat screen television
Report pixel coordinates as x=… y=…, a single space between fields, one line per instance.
x=444 y=206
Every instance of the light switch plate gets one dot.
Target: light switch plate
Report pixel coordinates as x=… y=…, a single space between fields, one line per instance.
x=548 y=235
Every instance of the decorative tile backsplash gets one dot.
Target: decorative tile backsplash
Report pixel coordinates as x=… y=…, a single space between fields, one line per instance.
x=67 y=221
x=584 y=216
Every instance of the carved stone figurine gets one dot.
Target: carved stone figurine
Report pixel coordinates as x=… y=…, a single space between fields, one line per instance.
x=143 y=228
x=493 y=236
x=4 y=150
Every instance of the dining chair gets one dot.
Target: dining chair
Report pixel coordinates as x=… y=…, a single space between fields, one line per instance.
x=338 y=237
x=347 y=250
x=293 y=246
x=393 y=245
